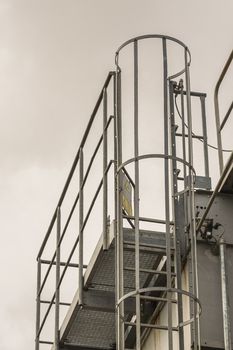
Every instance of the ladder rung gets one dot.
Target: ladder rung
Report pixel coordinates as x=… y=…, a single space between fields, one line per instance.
x=149 y=297
x=148 y=245
x=156 y=272
x=193 y=136
x=147 y=325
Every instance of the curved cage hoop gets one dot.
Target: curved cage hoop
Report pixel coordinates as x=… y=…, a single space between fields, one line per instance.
x=166 y=290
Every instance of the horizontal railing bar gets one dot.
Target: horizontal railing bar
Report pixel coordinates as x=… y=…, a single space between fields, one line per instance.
x=156 y=272
x=192 y=93
x=156 y=221
x=193 y=136
x=48 y=302
x=226 y=116
x=60 y=201
x=45 y=342
x=148 y=325
x=47 y=262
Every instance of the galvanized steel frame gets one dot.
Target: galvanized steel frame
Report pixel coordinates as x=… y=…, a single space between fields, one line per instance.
x=167 y=172
x=170 y=163
x=56 y=219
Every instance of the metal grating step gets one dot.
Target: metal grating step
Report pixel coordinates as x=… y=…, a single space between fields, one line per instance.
x=92 y=325
x=92 y=329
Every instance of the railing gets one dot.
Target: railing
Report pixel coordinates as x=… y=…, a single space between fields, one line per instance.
x=78 y=164
x=220 y=124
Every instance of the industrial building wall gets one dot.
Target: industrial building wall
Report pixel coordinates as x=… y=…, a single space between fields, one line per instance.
x=158 y=339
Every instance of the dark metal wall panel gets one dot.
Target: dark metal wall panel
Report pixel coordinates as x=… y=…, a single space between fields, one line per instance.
x=221 y=212
x=211 y=320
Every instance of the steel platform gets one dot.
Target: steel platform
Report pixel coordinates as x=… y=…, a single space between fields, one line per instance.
x=92 y=325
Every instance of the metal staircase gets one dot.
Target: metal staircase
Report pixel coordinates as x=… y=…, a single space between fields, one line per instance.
x=132 y=283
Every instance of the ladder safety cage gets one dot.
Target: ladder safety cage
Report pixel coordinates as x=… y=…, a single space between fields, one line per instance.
x=170 y=256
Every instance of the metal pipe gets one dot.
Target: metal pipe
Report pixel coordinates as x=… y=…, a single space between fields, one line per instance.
x=62 y=263
x=81 y=204
x=61 y=303
x=105 y=175
x=57 y=287
x=37 y=341
x=225 y=304
x=226 y=116
x=119 y=233
x=136 y=200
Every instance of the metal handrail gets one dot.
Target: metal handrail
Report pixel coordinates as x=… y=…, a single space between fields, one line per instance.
x=83 y=176
x=73 y=250
x=76 y=160
x=73 y=207
x=220 y=125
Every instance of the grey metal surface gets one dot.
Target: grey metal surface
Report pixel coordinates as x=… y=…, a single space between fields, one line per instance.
x=209 y=268
x=93 y=324
x=92 y=328
x=220 y=211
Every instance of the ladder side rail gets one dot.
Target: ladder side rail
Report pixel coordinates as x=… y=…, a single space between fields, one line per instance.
x=191 y=220
x=176 y=230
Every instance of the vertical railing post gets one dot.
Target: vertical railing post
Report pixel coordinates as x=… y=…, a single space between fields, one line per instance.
x=105 y=175
x=38 y=304
x=57 y=290
x=81 y=228
x=167 y=195
x=119 y=245
x=204 y=128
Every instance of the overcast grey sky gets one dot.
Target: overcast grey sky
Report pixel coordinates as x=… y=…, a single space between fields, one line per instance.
x=54 y=57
